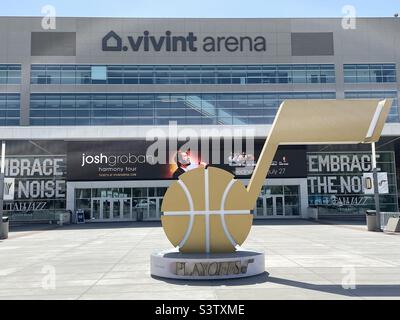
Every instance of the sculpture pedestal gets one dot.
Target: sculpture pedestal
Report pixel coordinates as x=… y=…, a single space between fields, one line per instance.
x=202 y=266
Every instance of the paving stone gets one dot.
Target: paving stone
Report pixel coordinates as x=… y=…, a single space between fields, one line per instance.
x=304 y=260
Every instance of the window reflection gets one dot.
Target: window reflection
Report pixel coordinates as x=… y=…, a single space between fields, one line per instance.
x=185 y=74
x=160 y=109
x=393 y=113
x=369 y=73
x=9 y=109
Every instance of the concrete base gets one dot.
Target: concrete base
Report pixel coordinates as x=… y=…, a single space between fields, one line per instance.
x=393 y=225
x=175 y=265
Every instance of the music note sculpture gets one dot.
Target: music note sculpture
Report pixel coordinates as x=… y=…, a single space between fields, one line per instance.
x=207 y=213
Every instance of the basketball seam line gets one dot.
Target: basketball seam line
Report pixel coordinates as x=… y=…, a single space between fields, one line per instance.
x=223 y=200
x=207 y=212
x=210 y=212
x=191 y=207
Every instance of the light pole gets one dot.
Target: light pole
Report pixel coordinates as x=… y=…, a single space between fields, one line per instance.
x=376 y=188
x=2 y=171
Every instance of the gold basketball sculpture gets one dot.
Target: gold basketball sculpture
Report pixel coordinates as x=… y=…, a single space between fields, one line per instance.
x=208 y=211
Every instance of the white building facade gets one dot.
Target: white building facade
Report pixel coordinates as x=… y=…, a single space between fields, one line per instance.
x=101 y=86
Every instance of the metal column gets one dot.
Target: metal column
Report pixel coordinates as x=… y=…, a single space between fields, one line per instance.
x=2 y=171
x=376 y=188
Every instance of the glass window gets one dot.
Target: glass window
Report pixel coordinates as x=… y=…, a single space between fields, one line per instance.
x=115 y=113
x=160 y=108
x=99 y=193
x=299 y=74
x=114 y=101
x=37 y=121
x=53 y=74
x=9 y=109
x=67 y=113
x=275 y=189
x=369 y=73
x=98 y=113
x=67 y=121
x=139 y=192
x=394 y=112
x=83 y=75
x=67 y=101
x=82 y=113
x=52 y=121
x=83 y=101
x=82 y=121
x=99 y=73
x=68 y=75
x=184 y=74
x=363 y=74
x=10 y=74
x=291 y=190
x=99 y=101
x=12 y=121
x=36 y=113
x=131 y=121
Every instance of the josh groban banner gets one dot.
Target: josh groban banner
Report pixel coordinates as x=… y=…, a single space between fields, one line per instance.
x=127 y=160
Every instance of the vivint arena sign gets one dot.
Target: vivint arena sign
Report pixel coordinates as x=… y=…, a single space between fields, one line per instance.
x=190 y=42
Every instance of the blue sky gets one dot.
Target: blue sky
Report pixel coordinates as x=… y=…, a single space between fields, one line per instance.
x=201 y=8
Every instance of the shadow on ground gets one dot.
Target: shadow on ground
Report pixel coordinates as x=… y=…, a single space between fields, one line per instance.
x=364 y=290
x=261 y=278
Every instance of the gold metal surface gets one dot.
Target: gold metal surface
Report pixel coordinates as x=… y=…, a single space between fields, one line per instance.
x=297 y=122
x=238 y=225
x=317 y=122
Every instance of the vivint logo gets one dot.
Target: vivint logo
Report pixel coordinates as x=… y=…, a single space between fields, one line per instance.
x=113 y=160
x=169 y=42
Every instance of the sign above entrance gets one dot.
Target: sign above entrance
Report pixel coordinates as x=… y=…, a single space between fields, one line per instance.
x=117 y=160
x=189 y=42
x=128 y=160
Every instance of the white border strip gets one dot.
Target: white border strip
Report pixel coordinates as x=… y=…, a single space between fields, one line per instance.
x=375 y=119
x=3 y=157
x=215 y=212
x=207 y=209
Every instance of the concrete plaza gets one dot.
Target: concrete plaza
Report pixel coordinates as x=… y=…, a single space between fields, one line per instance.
x=304 y=260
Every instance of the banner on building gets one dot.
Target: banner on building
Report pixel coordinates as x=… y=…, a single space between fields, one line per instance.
x=131 y=160
x=368 y=183
x=9 y=189
x=34 y=183
x=337 y=180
